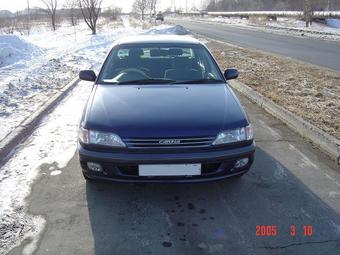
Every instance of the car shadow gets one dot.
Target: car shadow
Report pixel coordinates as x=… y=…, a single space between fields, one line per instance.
x=213 y=218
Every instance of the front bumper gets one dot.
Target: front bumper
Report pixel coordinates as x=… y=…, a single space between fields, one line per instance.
x=216 y=163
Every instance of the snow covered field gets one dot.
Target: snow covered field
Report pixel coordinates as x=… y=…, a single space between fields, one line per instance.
x=290 y=26
x=26 y=81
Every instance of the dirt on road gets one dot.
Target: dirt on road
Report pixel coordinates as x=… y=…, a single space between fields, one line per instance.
x=310 y=92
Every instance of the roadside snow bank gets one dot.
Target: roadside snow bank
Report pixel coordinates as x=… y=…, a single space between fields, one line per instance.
x=14 y=48
x=166 y=30
x=300 y=25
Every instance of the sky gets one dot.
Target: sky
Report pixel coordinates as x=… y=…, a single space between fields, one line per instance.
x=17 y=5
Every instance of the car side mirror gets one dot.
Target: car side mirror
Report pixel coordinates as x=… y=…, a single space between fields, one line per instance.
x=87 y=75
x=230 y=74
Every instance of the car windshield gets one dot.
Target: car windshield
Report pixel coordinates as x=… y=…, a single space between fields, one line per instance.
x=158 y=64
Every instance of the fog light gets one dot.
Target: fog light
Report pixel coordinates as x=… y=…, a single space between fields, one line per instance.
x=241 y=162
x=94 y=167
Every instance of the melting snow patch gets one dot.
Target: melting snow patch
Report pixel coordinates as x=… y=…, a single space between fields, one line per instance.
x=334 y=194
x=56 y=172
x=33 y=235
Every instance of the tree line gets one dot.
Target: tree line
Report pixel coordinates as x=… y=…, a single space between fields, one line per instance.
x=272 y=5
x=88 y=10
x=145 y=7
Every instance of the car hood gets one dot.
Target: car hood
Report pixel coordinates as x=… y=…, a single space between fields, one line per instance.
x=164 y=110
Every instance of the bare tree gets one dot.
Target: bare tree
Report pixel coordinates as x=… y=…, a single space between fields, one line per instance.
x=269 y=5
x=141 y=7
x=72 y=5
x=112 y=13
x=28 y=17
x=153 y=4
x=51 y=10
x=308 y=12
x=116 y=11
x=309 y=7
x=9 y=24
x=90 y=10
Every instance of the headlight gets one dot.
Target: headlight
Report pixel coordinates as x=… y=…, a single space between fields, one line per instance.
x=233 y=136
x=100 y=138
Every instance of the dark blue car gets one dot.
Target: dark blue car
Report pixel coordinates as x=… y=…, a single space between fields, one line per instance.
x=161 y=110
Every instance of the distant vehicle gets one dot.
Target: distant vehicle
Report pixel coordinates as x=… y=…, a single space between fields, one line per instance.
x=160 y=17
x=203 y=12
x=161 y=110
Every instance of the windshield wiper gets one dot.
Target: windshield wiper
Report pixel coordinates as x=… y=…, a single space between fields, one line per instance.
x=200 y=81
x=147 y=81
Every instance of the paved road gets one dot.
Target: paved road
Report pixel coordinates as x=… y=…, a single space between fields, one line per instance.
x=290 y=184
x=318 y=52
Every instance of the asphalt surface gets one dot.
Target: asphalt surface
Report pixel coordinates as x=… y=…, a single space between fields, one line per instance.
x=287 y=185
x=313 y=51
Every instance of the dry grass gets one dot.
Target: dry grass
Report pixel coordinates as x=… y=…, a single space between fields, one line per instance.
x=310 y=92
x=138 y=23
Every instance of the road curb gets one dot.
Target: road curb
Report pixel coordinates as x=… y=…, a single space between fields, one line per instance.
x=26 y=128
x=327 y=143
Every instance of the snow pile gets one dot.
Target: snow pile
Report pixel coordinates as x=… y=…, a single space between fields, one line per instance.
x=333 y=23
x=289 y=23
x=236 y=21
x=167 y=30
x=14 y=48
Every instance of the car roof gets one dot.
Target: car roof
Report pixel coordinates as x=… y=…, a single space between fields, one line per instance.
x=156 y=39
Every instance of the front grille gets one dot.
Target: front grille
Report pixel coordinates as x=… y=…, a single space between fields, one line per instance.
x=169 y=142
